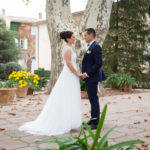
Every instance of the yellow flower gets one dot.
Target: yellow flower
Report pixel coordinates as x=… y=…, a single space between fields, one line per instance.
x=23 y=78
x=10 y=76
x=14 y=72
x=15 y=75
x=34 y=81
x=37 y=82
x=20 y=86
x=17 y=78
x=20 y=82
x=25 y=83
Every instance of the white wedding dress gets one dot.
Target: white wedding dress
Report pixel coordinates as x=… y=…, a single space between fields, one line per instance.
x=62 y=111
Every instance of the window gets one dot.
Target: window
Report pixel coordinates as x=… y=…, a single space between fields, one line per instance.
x=21 y=43
x=33 y=30
x=25 y=43
x=33 y=65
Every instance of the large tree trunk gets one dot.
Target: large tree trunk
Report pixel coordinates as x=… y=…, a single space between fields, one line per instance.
x=59 y=18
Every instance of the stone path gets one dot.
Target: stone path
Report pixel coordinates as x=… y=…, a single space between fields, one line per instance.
x=131 y=113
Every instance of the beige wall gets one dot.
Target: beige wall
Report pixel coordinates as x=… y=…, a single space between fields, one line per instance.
x=43 y=51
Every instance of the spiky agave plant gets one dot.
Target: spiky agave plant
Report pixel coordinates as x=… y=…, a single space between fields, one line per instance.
x=81 y=141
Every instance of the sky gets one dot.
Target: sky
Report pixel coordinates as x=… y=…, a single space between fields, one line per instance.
x=18 y=7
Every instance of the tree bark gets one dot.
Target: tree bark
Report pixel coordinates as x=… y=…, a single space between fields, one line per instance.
x=59 y=18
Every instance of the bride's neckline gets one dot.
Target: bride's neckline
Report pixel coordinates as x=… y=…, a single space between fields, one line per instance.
x=68 y=45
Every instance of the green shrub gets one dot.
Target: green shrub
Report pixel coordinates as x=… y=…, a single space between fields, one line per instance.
x=3 y=74
x=43 y=81
x=146 y=77
x=7 y=69
x=82 y=141
x=82 y=85
x=6 y=84
x=120 y=81
x=41 y=69
x=144 y=83
x=12 y=66
x=2 y=67
x=1 y=85
x=8 y=48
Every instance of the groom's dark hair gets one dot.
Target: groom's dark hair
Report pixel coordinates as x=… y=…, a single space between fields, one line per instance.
x=91 y=31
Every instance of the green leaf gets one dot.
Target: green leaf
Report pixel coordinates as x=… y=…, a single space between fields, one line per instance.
x=99 y=128
x=89 y=130
x=122 y=144
x=85 y=138
x=104 y=138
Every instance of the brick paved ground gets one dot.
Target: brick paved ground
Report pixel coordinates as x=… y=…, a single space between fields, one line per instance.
x=130 y=112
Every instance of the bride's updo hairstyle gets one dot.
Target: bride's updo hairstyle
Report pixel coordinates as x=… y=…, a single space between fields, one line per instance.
x=66 y=35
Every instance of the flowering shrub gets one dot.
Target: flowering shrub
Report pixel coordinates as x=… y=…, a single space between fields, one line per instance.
x=23 y=79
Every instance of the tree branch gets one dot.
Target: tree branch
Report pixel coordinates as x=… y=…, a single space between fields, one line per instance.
x=97 y=15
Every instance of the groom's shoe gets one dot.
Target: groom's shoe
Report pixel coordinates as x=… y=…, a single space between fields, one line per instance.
x=92 y=126
x=89 y=122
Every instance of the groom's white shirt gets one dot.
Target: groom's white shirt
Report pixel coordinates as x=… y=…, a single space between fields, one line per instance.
x=89 y=44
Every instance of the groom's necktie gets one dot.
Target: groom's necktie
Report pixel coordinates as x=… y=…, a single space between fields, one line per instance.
x=88 y=47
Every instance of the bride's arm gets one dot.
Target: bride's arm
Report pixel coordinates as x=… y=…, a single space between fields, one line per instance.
x=67 y=56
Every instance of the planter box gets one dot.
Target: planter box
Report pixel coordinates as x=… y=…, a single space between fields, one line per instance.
x=7 y=95
x=84 y=95
x=45 y=73
x=21 y=92
x=128 y=88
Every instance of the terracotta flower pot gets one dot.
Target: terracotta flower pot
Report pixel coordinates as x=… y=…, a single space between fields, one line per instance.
x=7 y=95
x=84 y=95
x=21 y=92
x=127 y=88
x=30 y=91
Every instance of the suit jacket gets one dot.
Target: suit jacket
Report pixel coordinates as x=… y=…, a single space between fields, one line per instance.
x=92 y=63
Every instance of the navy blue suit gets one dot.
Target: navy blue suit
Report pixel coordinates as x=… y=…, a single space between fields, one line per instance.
x=91 y=64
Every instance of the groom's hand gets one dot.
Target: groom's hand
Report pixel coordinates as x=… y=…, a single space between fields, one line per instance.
x=84 y=75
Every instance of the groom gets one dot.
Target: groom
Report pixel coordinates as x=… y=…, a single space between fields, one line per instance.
x=92 y=74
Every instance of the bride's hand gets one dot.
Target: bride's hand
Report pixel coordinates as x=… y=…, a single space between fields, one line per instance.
x=79 y=75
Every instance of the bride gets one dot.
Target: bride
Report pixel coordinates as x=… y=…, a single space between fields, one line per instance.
x=62 y=111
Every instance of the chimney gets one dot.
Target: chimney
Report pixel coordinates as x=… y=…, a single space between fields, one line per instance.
x=40 y=15
x=3 y=11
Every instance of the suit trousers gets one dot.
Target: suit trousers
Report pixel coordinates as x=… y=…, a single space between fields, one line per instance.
x=92 y=89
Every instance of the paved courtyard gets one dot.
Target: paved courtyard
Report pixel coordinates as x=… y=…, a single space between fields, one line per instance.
x=130 y=112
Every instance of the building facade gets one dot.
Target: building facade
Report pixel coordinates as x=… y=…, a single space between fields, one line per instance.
x=33 y=40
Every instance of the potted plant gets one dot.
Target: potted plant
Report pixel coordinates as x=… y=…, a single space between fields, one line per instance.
x=43 y=81
x=83 y=90
x=22 y=81
x=7 y=92
x=33 y=84
x=121 y=81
